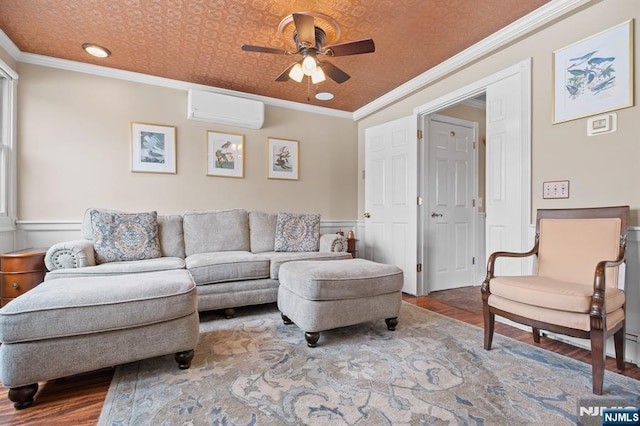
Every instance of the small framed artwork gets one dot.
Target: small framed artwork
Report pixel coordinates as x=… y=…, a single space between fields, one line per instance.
x=153 y=148
x=594 y=75
x=282 y=159
x=225 y=154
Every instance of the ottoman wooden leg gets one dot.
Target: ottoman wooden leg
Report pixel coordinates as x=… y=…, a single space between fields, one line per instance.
x=184 y=359
x=229 y=313
x=22 y=396
x=286 y=319
x=391 y=323
x=312 y=339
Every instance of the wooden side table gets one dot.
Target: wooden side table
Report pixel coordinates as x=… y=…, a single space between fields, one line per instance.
x=20 y=271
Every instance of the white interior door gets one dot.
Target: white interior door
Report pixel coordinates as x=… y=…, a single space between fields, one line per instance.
x=391 y=186
x=451 y=212
x=508 y=174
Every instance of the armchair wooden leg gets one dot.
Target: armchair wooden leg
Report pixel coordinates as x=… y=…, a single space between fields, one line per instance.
x=618 y=341
x=489 y=323
x=598 y=356
x=536 y=334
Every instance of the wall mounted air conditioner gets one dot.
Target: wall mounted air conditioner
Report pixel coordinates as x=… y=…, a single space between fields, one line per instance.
x=225 y=109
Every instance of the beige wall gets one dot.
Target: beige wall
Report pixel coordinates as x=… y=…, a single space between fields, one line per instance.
x=602 y=170
x=74 y=152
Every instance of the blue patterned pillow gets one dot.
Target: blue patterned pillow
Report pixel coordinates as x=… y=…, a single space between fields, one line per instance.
x=297 y=232
x=124 y=236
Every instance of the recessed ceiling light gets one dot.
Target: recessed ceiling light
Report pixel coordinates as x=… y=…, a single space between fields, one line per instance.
x=324 y=96
x=95 y=50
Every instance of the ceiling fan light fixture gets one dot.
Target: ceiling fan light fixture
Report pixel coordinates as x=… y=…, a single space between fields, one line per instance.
x=296 y=73
x=309 y=65
x=318 y=76
x=95 y=50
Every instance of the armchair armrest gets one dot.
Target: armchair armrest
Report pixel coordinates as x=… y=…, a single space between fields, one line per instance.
x=70 y=254
x=333 y=243
x=492 y=261
x=494 y=256
x=600 y=284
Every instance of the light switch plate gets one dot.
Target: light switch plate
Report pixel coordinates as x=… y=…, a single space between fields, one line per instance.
x=555 y=189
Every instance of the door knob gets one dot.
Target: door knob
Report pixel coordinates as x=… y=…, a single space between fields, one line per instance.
x=434 y=214
x=367 y=215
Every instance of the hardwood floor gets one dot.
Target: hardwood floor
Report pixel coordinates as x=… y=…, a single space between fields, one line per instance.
x=78 y=400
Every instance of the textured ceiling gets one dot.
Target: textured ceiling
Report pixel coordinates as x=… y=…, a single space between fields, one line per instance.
x=199 y=40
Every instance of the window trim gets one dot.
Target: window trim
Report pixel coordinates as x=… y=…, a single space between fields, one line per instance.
x=8 y=115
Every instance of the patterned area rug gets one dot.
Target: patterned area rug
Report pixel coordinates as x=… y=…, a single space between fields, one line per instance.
x=253 y=369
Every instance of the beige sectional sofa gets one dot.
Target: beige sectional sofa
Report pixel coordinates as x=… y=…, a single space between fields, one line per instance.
x=233 y=255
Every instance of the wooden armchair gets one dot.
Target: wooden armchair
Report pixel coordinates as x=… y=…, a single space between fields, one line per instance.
x=575 y=290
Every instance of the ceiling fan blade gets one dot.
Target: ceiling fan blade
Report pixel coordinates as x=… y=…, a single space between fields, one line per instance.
x=351 y=48
x=305 y=28
x=284 y=75
x=334 y=72
x=262 y=49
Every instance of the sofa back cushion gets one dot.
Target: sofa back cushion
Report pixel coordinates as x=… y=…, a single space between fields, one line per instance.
x=171 y=235
x=208 y=231
x=121 y=237
x=297 y=232
x=262 y=229
x=169 y=232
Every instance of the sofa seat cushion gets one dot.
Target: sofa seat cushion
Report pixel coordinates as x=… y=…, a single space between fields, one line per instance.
x=280 y=258
x=550 y=293
x=340 y=279
x=119 y=268
x=216 y=267
x=75 y=306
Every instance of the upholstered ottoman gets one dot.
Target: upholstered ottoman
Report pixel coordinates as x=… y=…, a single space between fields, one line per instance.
x=323 y=295
x=74 y=325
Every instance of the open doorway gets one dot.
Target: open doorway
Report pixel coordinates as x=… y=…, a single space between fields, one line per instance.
x=451 y=141
x=503 y=174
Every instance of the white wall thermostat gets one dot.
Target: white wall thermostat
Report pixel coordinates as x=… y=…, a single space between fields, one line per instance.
x=607 y=123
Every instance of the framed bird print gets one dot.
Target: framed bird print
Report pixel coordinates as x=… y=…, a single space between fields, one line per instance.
x=282 y=159
x=594 y=75
x=153 y=148
x=225 y=154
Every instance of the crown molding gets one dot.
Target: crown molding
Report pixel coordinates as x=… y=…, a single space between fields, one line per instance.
x=9 y=46
x=555 y=9
x=475 y=103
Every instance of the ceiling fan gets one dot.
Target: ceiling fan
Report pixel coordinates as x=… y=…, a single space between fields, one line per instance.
x=309 y=40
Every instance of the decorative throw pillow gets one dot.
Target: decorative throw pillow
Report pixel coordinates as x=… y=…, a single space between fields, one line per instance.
x=125 y=236
x=297 y=232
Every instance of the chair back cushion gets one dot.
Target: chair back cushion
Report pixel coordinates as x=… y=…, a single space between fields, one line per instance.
x=570 y=249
